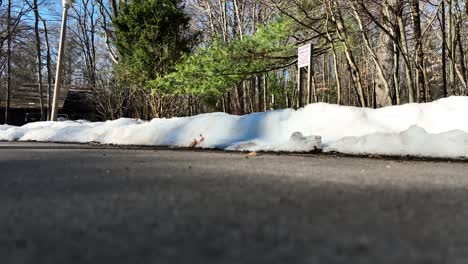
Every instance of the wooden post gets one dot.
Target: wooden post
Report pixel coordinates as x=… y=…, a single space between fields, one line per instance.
x=310 y=92
x=304 y=60
x=309 y=86
x=299 y=88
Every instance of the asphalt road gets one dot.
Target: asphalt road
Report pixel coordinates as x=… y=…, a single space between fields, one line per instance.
x=78 y=204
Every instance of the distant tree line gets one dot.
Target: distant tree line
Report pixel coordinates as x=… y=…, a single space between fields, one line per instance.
x=163 y=58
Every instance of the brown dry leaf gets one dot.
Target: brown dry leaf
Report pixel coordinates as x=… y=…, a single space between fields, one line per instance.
x=193 y=144
x=196 y=142
x=252 y=154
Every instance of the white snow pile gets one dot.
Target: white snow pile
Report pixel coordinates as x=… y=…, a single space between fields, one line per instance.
x=437 y=129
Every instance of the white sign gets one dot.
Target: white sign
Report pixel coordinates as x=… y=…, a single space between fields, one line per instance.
x=303 y=55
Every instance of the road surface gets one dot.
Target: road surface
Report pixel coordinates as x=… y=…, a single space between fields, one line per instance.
x=84 y=204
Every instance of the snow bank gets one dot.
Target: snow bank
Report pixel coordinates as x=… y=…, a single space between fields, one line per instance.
x=412 y=142
x=437 y=129
x=5 y=127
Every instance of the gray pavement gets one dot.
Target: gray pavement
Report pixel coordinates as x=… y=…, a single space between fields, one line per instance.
x=85 y=204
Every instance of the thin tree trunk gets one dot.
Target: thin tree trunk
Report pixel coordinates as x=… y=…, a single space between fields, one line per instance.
x=463 y=74
x=223 y=11
x=245 y=95
x=444 y=51
x=229 y=108
x=382 y=89
x=93 y=48
x=452 y=50
x=265 y=93
x=312 y=86
x=419 y=54
x=223 y=102
x=8 y=85
x=256 y=85
x=300 y=89
x=239 y=20
x=355 y=73
x=237 y=100
x=39 y=59
x=49 y=70
x=335 y=65
x=210 y=16
x=404 y=46
x=337 y=77
x=396 y=73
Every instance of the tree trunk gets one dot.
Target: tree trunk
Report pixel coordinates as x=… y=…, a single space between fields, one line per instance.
x=337 y=77
x=8 y=84
x=452 y=48
x=237 y=99
x=245 y=95
x=39 y=59
x=49 y=71
x=444 y=51
x=311 y=84
x=463 y=74
x=265 y=93
x=396 y=73
x=419 y=54
x=382 y=88
x=256 y=84
x=404 y=47
x=335 y=64
x=300 y=89
x=355 y=73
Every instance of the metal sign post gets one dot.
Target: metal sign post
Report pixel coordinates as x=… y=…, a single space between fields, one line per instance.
x=304 y=59
x=58 y=76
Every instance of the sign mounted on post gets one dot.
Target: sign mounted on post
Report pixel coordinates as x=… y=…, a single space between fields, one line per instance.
x=303 y=55
x=304 y=59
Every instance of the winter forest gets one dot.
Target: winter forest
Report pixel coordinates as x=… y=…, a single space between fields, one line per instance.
x=167 y=58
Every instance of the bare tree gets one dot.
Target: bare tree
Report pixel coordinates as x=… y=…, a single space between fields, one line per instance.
x=419 y=54
x=109 y=11
x=8 y=84
x=49 y=69
x=383 y=96
x=341 y=32
x=444 y=50
x=35 y=8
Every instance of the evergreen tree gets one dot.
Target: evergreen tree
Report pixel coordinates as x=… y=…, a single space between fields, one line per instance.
x=214 y=69
x=152 y=35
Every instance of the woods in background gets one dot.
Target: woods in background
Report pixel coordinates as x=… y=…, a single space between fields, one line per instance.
x=163 y=58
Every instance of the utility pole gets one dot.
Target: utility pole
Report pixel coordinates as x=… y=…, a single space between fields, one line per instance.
x=58 y=75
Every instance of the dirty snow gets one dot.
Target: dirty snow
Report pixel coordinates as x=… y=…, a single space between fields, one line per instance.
x=437 y=129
